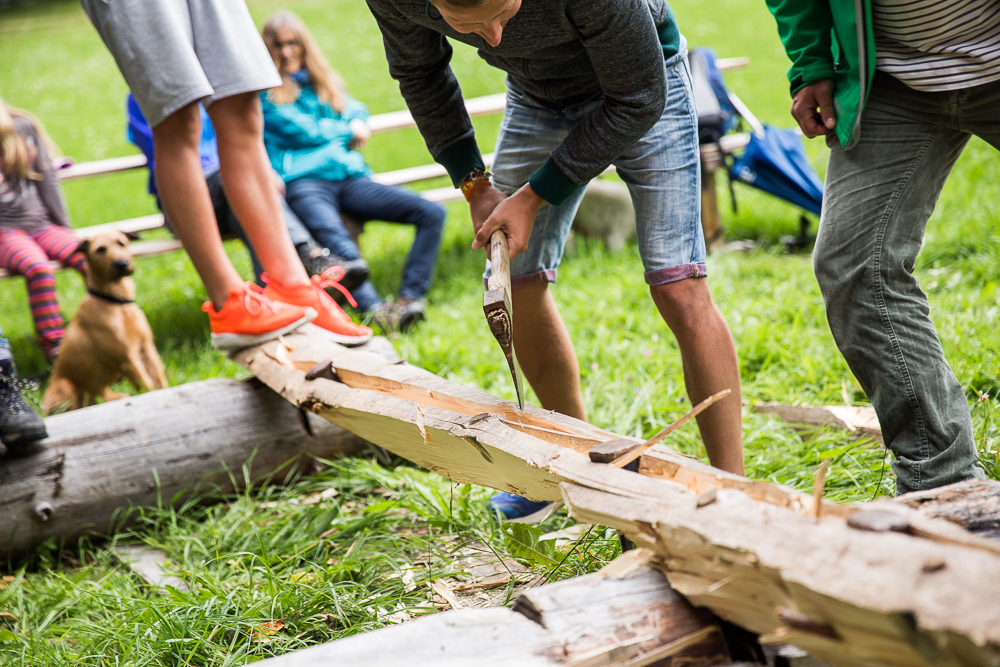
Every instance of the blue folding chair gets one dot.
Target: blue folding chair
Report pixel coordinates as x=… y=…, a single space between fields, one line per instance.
x=774 y=161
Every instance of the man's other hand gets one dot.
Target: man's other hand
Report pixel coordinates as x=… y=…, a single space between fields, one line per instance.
x=515 y=215
x=813 y=108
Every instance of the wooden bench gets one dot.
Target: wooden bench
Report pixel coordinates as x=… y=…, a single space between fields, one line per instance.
x=395 y=120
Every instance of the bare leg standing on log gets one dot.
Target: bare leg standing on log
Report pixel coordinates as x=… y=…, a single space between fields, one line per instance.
x=173 y=56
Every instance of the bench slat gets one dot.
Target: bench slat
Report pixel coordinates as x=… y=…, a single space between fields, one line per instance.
x=139 y=249
x=100 y=167
x=131 y=226
x=396 y=120
x=478 y=106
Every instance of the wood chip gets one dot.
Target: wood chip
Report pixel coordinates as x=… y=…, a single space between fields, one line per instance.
x=934 y=565
x=485 y=583
x=420 y=423
x=819 y=485
x=446 y=593
x=707 y=498
x=878 y=521
x=627 y=563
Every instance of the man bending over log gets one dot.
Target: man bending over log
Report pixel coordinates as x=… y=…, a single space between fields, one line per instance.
x=589 y=84
x=913 y=81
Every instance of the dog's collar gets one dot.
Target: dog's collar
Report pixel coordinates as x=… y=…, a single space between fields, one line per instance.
x=108 y=297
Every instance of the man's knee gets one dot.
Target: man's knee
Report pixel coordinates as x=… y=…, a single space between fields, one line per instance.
x=958 y=463
x=827 y=277
x=682 y=302
x=237 y=113
x=529 y=298
x=182 y=127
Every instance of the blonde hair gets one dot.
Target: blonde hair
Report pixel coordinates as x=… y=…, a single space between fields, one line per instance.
x=328 y=84
x=15 y=156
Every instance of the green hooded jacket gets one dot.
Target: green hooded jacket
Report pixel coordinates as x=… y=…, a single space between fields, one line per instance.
x=830 y=39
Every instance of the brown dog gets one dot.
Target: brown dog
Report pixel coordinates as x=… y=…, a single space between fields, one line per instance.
x=109 y=338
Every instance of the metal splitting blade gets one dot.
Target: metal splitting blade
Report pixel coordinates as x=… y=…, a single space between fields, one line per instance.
x=515 y=373
x=498 y=309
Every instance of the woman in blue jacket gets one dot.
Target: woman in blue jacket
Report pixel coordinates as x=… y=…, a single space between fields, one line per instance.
x=312 y=129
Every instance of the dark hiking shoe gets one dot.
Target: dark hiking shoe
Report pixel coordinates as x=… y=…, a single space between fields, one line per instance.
x=318 y=260
x=398 y=315
x=19 y=424
x=509 y=506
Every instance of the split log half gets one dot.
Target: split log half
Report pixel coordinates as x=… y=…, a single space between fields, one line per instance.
x=846 y=588
x=588 y=621
x=102 y=460
x=451 y=428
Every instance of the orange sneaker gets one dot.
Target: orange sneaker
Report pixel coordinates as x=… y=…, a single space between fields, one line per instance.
x=249 y=317
x=332 y=323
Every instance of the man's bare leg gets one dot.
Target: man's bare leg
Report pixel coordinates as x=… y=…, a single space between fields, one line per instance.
x=710 y=365
x=545 y=350
x=187 y=204
x=250 y=188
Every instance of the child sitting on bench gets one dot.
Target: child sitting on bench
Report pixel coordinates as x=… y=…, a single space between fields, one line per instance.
x=311 y=130
x=34 y=225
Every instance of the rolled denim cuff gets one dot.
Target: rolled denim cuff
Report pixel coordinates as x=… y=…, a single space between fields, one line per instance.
x=672 y=274
x=545 y=275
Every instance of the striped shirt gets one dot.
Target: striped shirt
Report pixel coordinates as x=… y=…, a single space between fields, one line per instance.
x=936 y=45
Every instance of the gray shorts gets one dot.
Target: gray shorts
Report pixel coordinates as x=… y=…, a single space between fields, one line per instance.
x=175 y=52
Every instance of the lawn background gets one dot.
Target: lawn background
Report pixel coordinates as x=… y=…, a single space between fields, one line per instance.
x=53 y=64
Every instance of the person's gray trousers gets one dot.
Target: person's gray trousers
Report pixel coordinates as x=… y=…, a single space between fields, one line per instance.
x=877 y=200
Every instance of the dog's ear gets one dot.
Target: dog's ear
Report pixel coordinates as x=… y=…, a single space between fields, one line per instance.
x=83 y=247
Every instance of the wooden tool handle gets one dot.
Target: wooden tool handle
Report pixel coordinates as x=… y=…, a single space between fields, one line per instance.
x=499 y=261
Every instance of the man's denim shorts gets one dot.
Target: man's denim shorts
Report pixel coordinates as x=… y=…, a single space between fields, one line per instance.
x=661 y=170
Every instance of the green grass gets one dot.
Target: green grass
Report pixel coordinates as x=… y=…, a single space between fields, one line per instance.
x=322 y=568
x=78 y=606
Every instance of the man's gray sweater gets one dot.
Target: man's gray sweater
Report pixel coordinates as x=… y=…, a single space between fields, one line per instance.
x=560 y=53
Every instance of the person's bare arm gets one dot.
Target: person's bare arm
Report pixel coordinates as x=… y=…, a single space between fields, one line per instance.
x=812 y=108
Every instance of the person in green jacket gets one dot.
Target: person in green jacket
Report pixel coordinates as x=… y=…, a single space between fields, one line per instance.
x=897 y=87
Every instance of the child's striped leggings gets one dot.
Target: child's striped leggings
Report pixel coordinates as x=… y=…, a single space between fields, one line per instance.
x=29 y=254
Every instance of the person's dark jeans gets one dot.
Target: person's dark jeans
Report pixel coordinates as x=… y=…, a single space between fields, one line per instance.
x=4 y=346
x=319 y=204
x=228 y=223
x=878 y=198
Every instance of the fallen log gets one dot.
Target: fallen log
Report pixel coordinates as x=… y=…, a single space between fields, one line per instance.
x=588 y=621
x=878 y=584
x=100 y=461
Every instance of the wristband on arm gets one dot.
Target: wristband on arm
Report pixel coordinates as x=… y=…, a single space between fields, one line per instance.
x=476 y=180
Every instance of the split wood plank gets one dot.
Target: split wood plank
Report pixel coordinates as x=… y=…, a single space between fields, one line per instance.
x=860 y=420
x=107 y=458
x=451 y=428
x=589 y=621
x=753 y=553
